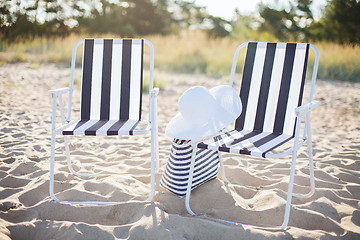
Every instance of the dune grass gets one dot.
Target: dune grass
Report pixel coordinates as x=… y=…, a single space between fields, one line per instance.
x=188 y=52
x=339 y=62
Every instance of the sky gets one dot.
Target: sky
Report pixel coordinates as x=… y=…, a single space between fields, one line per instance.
x=225 y=8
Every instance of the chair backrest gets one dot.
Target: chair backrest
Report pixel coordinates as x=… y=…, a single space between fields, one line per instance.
x=112 y=76
x=272 y=86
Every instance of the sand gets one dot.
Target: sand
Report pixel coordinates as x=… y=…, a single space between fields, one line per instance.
x=256 y=195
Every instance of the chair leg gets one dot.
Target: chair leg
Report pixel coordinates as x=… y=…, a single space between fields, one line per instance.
x=52 y=155
x=52 y=166
x=52 y=169
x=290 y=191
x=84 y=175
x=71 y=169
x=292 y=174
x=222 y=168
x=157 y=149
x=311 y=164
x=51 y=184
x=189 y=184
x=311 y=161
x=153 y=163
x=154 y=128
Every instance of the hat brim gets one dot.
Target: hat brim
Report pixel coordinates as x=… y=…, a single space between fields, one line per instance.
x=179 y=128
x=227 y=109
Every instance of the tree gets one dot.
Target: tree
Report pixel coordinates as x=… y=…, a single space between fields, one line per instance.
x=340 y=22
x=23 y=20
x=147 y=17
x=106 y=19
x=29 y=18
x=127 y=18
x=190 y=15
x=288 y=24
x=218 y=28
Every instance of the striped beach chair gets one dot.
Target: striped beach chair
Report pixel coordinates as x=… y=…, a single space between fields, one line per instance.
x=111 y=99
x=271 y=93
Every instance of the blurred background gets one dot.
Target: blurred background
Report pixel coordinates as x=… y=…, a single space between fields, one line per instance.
x=188 y=36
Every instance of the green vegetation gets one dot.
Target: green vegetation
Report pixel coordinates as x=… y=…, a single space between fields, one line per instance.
x=189 y=52
x=21 y=19
x=45 y=31
x=339 y=62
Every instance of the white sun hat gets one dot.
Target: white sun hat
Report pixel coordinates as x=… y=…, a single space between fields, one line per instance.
x=203 y=113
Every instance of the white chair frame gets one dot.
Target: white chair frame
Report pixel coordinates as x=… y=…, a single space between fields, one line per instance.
x=152 y=127
x=301 y=112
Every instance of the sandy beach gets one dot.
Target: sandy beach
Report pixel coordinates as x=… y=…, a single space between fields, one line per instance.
x=256 y=195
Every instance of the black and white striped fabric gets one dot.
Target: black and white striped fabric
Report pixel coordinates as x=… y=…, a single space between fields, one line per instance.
x=272 y=87
x=111 y=92
x=176 y=174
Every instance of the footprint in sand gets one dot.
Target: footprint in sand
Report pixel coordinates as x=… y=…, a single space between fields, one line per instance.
x=6 y=206
x=356 y=217
x=18 y=135
x=13 y=182
x=39 y=148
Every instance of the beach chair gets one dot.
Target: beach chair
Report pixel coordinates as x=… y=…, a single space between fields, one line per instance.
x=271 y=93
x=111 y=100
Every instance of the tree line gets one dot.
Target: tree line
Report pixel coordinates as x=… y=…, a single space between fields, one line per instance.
x=19 y=19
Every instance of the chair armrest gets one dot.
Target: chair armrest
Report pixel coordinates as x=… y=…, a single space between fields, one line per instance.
x=153 y=107
x=154 y=92
x=59 y=91
x=302 y=110
x=56 y=94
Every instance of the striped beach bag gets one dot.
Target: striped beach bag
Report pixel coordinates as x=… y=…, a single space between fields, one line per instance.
x=176 y=174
